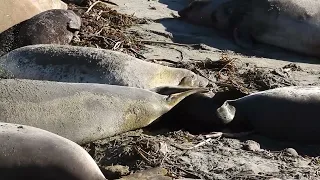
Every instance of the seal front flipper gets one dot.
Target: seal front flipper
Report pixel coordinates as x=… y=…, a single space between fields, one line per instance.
x=242 y=37
x=167 y=90
x=174 y=99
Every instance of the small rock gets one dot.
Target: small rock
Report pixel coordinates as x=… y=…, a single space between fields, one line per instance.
x=291 y=152
x=250 y=145
x=116 y=171
x=156 y=173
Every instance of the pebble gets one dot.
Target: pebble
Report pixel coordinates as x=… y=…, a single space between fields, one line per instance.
x=291 y=152
x=251 y=145
x=115 y=171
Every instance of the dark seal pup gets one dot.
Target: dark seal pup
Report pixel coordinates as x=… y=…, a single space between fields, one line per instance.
x=287 y=113
x=83 y=112
x=32 y=153
x=56 y=26
x=65 y=63
x=289 y=24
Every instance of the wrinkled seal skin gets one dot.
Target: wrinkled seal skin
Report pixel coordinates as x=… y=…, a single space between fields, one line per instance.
x=287 y=113
x=56 y=26
x=83 y=112
x=65 y=63
x=32 y=153
x=289 y=24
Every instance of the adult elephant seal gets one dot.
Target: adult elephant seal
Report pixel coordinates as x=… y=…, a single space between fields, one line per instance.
x=83 y=112
x=92 y=65
x=32 y=153
x=287 y=113
x=289 y=24
x=56 y=26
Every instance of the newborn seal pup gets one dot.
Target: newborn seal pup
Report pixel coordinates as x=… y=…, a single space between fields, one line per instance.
x=290 y=24
x=65 y=63
x=287 y=113
x=56 y=26
x=32 y=153
x=83 y=112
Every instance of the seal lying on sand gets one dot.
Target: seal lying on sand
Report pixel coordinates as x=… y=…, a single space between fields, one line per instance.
x=82 y=112
x=65 y=63
x=14 y=11
x=290 y=24
x=33 y=153
x=56 y=26
x=287 y=113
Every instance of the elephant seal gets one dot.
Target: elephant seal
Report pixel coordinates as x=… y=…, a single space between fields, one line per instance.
x=280 y=23
x=32 y=153
x=65 y=63
x=13 y=12
x=83 y=112
x=286 y=113
x=56 y=26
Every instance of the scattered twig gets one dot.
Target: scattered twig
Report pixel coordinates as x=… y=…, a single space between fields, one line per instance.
x=181 y=53
x=163 y=42
x=117 y=45
x=138 y=150
x=93 y=4
x=138 y=54
x=110 y=2
x=228 y=135
x=188 y=172
x=193 y=147
x=97 y=2
x=225 y=66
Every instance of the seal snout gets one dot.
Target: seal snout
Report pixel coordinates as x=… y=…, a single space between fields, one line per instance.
x=226 y=112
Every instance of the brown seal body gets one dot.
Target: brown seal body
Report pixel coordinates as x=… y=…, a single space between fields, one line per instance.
x=82 y=112
x=287 y=113
x=32 y=153
x=289 y=24
x=15 y=11
x=65 y=63
x=56 y=26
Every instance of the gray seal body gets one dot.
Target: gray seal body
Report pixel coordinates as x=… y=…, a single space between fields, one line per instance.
x=32 y=153
x=82 y=112
x=66 y=63
x=289 y=24
x=287 y=113
x=56 y=26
